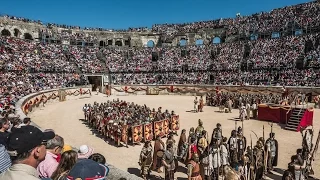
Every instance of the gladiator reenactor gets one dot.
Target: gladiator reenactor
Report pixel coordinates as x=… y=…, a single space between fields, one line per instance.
x=258 y=156
x=182 y=146
x=201 y=104
x=85 y=109
x=299 y=166
x=195 y=103
x=193 y=148
x=216 y=159
x=233 y=146
x=191 y=134
x=145 y=160
x=194 y=168
x=217 y=133
x=168 y=162
x=244 y=166
x=224 y=152
x=251 y=163
x=157 y=154
x=271 y=152
x=229 y=105
x=242 y=112
x=167 y=115
x=199 y=129
x=248 y=109
x=203 y=142
x=206 y=164
x=289 y=173
x=241 y=143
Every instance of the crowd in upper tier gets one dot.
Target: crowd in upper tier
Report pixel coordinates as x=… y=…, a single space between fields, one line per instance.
x=301 y=15
x=264 y=61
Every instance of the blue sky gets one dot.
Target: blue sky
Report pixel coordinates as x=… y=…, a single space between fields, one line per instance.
x=121 y=14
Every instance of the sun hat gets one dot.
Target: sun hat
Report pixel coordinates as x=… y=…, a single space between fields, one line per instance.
x=85 y=151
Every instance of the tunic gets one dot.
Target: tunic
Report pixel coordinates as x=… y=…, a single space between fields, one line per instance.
x=194 y=170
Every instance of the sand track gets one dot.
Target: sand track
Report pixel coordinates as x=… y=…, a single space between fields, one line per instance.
x=64 y=117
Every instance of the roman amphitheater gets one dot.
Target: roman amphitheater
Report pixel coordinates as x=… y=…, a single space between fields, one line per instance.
x=265 y=64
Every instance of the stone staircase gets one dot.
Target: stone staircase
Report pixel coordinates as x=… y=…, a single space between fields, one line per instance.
x=295 y=118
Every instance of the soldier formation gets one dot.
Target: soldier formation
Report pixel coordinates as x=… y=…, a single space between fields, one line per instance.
x=232 y=158
x=115 y=120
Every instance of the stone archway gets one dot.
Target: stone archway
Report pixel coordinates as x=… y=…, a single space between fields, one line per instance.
x=28 y=36
x=5 y=32
x=16 y=32
x=216 y=40
x=182 y=42
x=102 y=43
x=199 y=42
x=150 y=43
x=118 y=43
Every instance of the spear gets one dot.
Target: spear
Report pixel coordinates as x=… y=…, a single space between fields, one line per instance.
x=242 y=129
x=263 y=134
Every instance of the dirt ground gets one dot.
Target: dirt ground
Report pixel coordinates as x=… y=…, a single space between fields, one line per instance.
x=64 y=118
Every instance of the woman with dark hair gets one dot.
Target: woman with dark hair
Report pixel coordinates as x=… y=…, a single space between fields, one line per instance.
x=97 y=157
x=68 y=160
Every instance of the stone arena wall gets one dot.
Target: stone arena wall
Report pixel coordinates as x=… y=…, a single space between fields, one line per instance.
x=114 y=172
x=193 y=90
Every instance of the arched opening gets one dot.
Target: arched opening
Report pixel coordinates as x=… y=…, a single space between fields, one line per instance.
x=102 y=43
x=253 y=37
x=16 y=32
x=216 y=40
x=199 y=42
x=5 y=32
x=275 y=35
x=28 y=36
x=183 y=42
x=118 y=43
x=150 y=43
x=298 y=32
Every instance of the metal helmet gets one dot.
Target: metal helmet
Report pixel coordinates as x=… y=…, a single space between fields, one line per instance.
x=200 y=122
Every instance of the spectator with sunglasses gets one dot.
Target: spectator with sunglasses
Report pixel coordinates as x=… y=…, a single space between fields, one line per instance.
x=53 y=150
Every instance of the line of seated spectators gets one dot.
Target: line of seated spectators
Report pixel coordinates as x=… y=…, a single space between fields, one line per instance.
x=23 y=55
x=282 y=77
x=45 y=155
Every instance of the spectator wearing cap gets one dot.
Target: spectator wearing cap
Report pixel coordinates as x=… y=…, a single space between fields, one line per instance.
x=50 y=164
x=68 y=160
x=4 y=134
x=85 y=152
x=27 y=148
x=88 y=169
x=5 y=161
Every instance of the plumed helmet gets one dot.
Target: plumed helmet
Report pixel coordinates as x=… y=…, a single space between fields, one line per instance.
x=195 y=157
x=271 y=135
x=259 y=144
x=239 y=129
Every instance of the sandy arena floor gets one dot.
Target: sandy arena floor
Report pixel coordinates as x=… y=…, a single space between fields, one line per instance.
x=64 y=117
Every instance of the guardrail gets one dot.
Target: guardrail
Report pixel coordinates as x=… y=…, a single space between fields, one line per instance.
x=203 y=89
x=114 y=173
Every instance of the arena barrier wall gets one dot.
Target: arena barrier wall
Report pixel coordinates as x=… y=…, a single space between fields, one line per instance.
x=193 y=90
x=114 y=172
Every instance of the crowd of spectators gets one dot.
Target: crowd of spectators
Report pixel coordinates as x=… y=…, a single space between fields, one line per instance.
x=283 y=77
x=298 y=16
x=46 y=156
